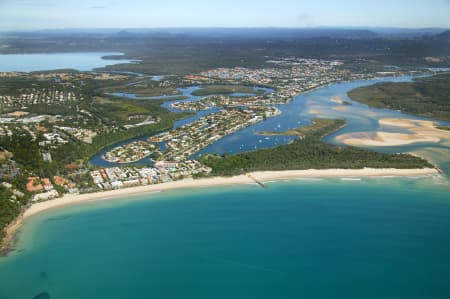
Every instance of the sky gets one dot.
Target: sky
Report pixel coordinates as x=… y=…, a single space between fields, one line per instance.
x=60 y=14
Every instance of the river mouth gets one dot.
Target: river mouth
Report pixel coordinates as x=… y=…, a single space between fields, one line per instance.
x=326 y=102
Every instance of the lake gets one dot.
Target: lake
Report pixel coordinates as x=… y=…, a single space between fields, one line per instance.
x=44 y=62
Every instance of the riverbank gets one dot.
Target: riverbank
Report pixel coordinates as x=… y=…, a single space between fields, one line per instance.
x=251 y=178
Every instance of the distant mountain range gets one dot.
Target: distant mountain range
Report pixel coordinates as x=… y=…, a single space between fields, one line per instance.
x=444 y=35
x=324 y=32
x=205 y=48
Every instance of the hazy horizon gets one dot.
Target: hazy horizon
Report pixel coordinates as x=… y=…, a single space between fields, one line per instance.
x=233 y=28
x=26 y=15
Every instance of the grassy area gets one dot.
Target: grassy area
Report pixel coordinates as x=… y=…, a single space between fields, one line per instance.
x=223 y=89
x=310 y=153
x=145 y=90
x=443 y=128
x=119 y=111
x=429 y=97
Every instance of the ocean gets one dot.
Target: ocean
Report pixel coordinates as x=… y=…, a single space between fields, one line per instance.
x=325 y=238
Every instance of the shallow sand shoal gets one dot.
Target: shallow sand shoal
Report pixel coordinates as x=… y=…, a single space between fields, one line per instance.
x=383 y=139
x=421 y=131
x=340 y=108
x=337 y=100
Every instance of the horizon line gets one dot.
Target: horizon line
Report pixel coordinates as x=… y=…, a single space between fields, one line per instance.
x=225 y=27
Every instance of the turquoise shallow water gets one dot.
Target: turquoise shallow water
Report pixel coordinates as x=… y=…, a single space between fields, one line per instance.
x=374 y=238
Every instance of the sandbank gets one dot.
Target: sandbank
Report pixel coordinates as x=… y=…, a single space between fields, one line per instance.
x=418 y=131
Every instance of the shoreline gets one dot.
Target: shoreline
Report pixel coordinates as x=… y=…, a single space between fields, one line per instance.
x=245 y=179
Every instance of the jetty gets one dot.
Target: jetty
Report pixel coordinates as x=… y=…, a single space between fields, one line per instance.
x=261 y=184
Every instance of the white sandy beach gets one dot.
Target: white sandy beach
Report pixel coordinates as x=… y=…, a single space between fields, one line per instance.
x=250 y=178
x=223 y=181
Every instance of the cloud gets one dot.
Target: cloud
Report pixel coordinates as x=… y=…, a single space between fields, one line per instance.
x=98 y=7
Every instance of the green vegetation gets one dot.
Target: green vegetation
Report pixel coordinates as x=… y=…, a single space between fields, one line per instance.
x=429 y=97
x=310 y=153
x=11 y=205
x=15 y=86
x=122 y=111
x=319 y=126
x=8 y=210
x=26 y=152
x=443 y=128
x=223 y=89
x=107 y=116
x=190 y=51
x=146 y=89
x=4 y=155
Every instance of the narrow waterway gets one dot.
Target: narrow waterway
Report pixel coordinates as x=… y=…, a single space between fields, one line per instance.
x=322 y=102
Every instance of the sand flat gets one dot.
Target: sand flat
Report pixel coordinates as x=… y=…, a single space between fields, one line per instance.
x=381 y=139
x=337 y=100
x=340 y=108
x=419 y=131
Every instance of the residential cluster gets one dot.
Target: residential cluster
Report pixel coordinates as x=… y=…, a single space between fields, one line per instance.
x=185 y=141
x=9 y=169
x=35 y=96
x=13 y=118
x=83 y=135
x=190 y=106
x=67 y=76
x=129 y=153
x=162 y=172
x=16 y=195
x=290 y=77
x=44 y=188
